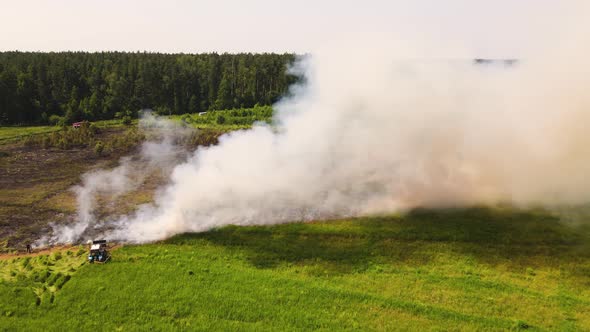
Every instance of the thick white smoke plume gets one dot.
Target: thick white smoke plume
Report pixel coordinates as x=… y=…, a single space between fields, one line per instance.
x=370 y=133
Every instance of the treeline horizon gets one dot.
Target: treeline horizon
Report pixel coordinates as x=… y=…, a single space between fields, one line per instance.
x=65 y=87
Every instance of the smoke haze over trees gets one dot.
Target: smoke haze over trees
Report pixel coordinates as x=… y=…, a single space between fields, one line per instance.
x=38 y=88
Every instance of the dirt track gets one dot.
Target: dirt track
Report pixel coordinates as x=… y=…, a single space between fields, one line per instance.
x=37 y=252
x=47 y=251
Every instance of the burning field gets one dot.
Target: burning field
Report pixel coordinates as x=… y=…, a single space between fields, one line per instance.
x=389 y=137
x=428 y=226
x=38 y=183
x=383 y=191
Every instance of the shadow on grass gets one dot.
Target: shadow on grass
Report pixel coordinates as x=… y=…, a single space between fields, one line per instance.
x=512 y=237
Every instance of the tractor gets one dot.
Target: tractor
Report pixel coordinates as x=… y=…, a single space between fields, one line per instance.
x=99 y=252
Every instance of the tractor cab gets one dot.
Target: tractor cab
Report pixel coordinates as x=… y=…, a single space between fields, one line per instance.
x=98 y=252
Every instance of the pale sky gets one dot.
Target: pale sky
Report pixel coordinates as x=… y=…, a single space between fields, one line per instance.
x=500 y=28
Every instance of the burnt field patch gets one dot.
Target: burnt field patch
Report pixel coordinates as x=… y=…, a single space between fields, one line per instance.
x=35 y=185
x=36 y=178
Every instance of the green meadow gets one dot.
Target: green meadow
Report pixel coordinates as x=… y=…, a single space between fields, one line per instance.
x=12 y=133
x=9 y=134
x=484 y=269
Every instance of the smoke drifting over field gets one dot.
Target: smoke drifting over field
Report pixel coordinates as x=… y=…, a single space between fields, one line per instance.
x=159 y=154
x=370 y=133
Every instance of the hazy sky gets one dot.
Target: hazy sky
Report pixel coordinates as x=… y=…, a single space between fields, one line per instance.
x=501 y=28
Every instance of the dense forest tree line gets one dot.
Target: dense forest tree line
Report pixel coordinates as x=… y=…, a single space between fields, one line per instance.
x=40 y=88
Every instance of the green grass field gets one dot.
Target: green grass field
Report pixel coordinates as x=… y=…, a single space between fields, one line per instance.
x=233 y=120
x=457 y=269
x=9 y=133
x=14 y=133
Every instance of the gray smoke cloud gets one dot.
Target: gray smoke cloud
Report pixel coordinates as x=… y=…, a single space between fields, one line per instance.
x=372 y=133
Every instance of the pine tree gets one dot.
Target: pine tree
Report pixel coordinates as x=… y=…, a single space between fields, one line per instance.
x=224 y=97
x=193 y=105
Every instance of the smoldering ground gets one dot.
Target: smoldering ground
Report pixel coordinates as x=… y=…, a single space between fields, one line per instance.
x=165 y=146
